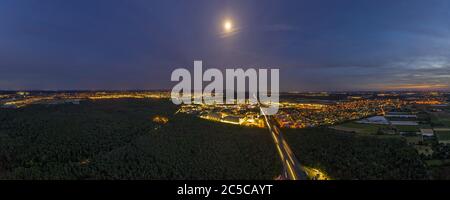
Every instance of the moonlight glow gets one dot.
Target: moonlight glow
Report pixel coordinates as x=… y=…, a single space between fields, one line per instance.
x=228 y=26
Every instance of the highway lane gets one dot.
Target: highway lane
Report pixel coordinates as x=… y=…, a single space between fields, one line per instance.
x=293 y=169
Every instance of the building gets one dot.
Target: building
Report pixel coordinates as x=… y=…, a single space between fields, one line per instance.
x=396 y=115
x=374 y=120
x=427 y=132
x=405 y=123
x=233 y=120
x=213 y=116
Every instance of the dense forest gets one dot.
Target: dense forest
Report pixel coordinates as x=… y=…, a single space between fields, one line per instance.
x=351 y=156
x=117 y=139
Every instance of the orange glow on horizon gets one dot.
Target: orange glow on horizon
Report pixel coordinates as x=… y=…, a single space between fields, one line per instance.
x=413 y=87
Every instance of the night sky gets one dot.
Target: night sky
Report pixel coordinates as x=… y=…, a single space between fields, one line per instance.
x=135 y=44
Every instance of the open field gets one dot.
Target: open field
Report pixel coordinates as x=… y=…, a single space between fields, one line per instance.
x=441 y=119
x=359 y=128
x=443 y=135
x=407 y=128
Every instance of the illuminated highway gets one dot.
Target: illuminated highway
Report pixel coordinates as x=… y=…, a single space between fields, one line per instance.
x=292 y=168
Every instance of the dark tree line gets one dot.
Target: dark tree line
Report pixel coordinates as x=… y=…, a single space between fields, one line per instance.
x=350 y=156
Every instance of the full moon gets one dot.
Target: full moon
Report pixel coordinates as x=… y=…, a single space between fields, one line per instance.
x=227 y=26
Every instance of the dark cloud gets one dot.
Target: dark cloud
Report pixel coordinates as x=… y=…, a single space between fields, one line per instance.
x=318 y=45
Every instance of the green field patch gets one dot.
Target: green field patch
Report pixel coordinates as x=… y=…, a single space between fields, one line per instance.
x=443 y=135
x=407 y=128
x=441 y=119
x=360 y=128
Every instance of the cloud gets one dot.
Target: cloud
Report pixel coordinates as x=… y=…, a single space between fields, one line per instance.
x=426 y=62
x=280 y=28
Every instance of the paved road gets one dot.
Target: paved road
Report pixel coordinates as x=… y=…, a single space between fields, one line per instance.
x=293 y=169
